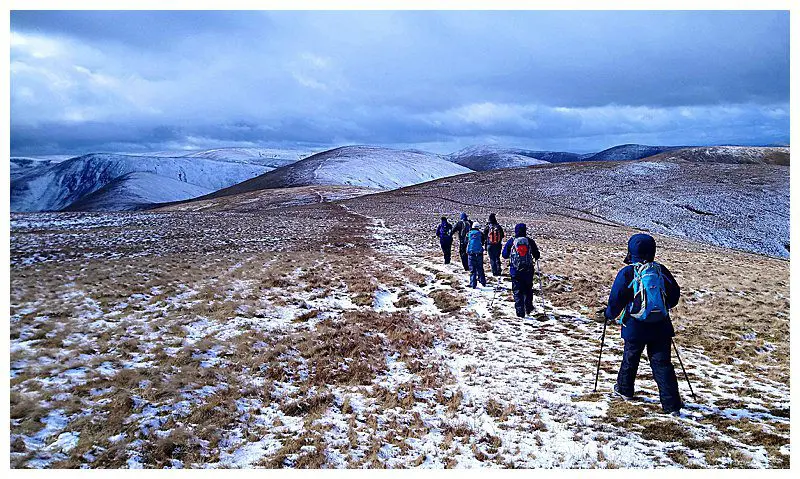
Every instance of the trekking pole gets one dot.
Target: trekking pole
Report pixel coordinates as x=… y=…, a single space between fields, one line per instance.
x=496 y=287
x=541 y=288
x=602 y=340
x=684 y=369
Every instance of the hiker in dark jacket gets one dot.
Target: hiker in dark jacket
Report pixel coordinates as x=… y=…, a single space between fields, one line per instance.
x=522 y=254
x=445 y=233
x=462 y=228
x=475 y=252
x=493 y=239
x=638 y=334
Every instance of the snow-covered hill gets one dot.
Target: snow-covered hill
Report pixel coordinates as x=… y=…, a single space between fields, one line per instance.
x=58 y=186
x=484 y=157
x=137 y=190
x=365 y=166
x=729 y=154
x=489 y=157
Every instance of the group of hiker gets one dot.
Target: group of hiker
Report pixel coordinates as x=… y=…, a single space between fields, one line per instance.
x=474 y=240
x=641 y=296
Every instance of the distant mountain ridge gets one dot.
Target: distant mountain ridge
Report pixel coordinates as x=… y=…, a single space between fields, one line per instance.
x=486 y=157
x=108 y=181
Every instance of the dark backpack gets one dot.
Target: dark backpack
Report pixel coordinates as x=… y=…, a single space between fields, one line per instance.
x=494 y=236
x=445 y=231
x=466 y=225
x=521 y=256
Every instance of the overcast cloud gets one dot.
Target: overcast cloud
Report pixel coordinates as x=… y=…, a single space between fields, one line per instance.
x=578 y=81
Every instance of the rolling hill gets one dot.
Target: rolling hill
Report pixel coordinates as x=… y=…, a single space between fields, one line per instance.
x=729 y=154
x=364 y=166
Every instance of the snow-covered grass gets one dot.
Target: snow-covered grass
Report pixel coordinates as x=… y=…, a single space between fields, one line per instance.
x=331 y=335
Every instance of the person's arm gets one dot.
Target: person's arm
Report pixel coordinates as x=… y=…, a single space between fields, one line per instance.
x=534 y=249
x=621 y=295
x=507 y=248
x=671 y=287
x=485 y=235
x=502 y=233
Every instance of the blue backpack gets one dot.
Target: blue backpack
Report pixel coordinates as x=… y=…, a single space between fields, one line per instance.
x=475 y=244
x=648 y=286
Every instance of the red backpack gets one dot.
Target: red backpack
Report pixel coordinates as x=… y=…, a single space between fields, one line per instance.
x=494 y=234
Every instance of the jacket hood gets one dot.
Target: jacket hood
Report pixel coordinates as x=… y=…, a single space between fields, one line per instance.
x=520 y=230
x=641 y=248
x=492 y=219
x=463 y=216
x=444 y=220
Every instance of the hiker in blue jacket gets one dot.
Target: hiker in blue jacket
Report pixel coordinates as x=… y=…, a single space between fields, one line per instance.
x=445 y=233
x=462 y=227
x=649 y=326
x=493 y=235
x=475 y=252
x=523 y=252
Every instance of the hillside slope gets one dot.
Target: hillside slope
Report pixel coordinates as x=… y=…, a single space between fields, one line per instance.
x=729 y=154
x=364 y=166
x=742 y=206
x=137 y=190
x=58 y=186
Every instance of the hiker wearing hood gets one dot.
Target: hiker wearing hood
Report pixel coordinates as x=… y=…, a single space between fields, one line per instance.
x=493 y=239
x=523 y=252
x=475 y=251
x=462 y=228
x=642 y=295
x=445 y=233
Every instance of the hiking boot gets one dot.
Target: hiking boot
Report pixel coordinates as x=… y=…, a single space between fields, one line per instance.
x=675 y=413
x=620 y=394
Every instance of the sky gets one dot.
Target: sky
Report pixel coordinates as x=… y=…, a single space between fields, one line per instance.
x=138 y=81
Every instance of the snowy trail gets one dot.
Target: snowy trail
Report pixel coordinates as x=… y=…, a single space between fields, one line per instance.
x=543 y=371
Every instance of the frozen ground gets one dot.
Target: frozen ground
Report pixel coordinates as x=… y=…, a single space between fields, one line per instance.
x=329 y=335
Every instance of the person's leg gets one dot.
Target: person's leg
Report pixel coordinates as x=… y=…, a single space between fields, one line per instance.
x=626 y=378
x=664 y=374
x=481 y=272
x=494 y=259
x=473 y=272
x=519 y=299
x=446 y=249
x=529 y=295
x=462 y=251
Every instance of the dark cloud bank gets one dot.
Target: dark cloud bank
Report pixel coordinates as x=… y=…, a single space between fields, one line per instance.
x=580 y=81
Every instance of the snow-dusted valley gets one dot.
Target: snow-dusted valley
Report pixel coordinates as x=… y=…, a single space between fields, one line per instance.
x=313 y=324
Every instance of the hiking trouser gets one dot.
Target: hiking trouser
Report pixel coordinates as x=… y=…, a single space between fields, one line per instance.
x=446 y=248
x=522 y=287
x=663 y=372
x=476 y=270
x=462 y=251
x=494 y=258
